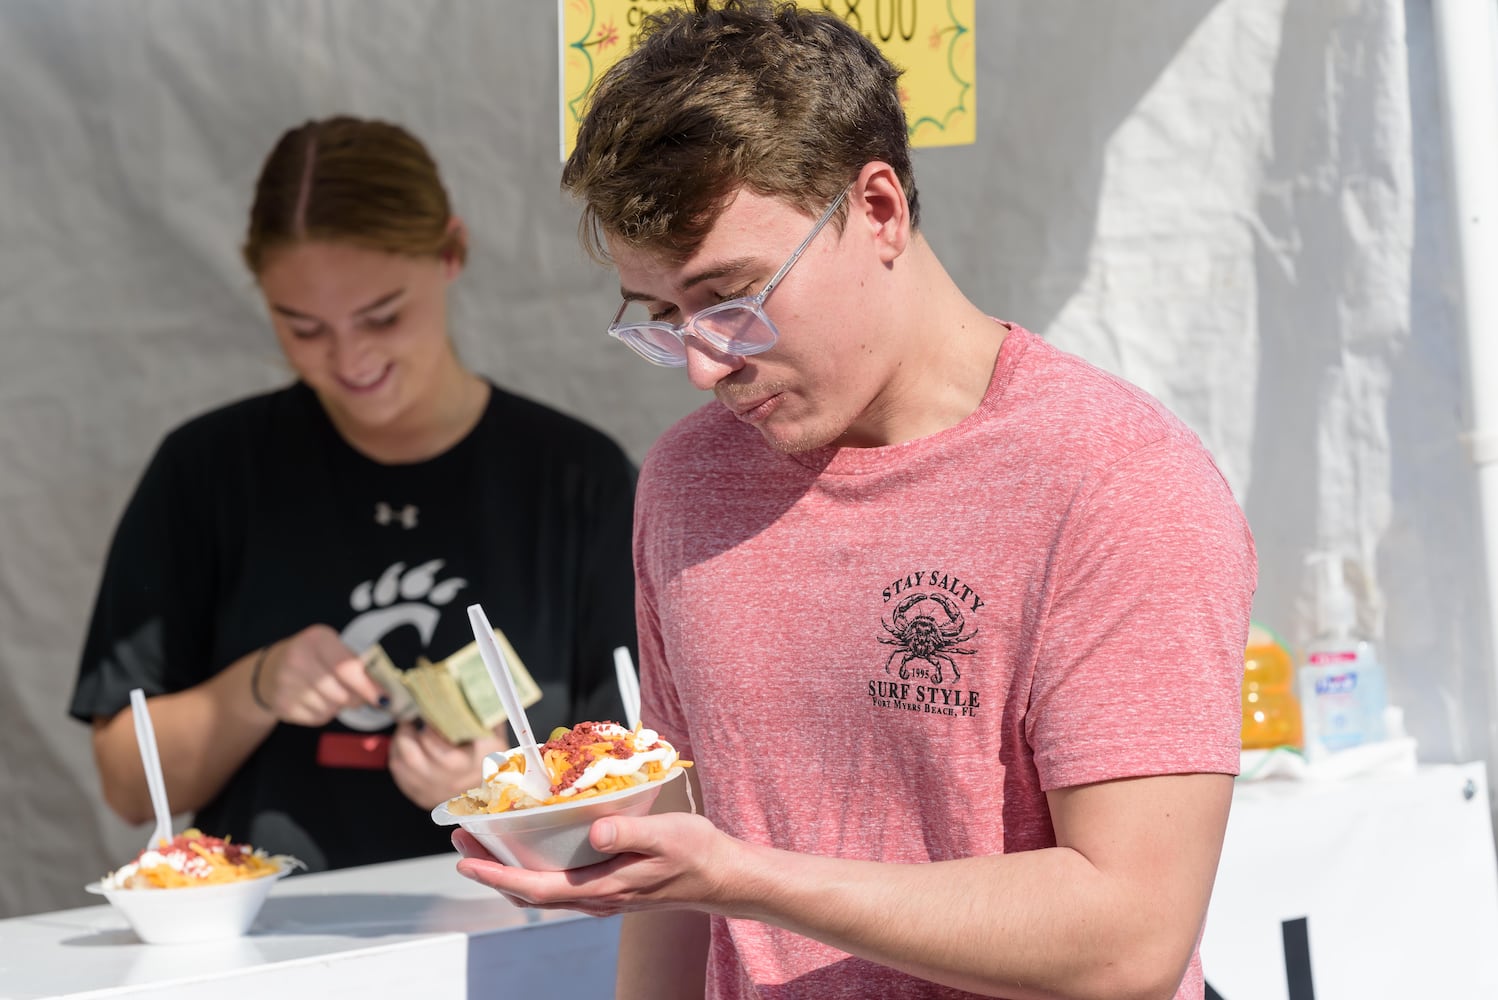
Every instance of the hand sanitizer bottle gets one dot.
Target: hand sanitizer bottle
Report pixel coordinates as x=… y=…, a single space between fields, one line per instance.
x=1342 y=688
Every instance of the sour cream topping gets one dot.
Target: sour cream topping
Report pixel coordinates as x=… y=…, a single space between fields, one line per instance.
x=192 y=865
x=645 y=746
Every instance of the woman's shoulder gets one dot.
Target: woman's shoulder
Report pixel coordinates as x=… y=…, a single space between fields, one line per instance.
x=521 y=421
x=260 y=416
x=234 y=434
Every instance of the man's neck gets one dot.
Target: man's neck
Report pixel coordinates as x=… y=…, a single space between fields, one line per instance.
x=949 y=348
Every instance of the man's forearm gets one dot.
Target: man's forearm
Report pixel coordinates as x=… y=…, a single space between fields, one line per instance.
x=1114 y=912
x=1038 y=925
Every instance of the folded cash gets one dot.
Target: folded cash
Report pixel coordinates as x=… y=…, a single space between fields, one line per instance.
x=454 y=696
x=388 y=676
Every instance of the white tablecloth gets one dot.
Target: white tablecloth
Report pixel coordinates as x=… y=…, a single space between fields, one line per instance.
x=409 y=928
x=1390 y=883
x=1374 y=888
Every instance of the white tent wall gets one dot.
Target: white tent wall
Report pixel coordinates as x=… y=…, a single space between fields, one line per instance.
x=1239 y=205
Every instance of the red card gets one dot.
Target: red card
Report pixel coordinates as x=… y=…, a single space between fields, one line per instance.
x=367 y=751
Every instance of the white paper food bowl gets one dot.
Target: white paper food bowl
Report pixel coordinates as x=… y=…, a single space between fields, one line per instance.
x=192 y=913
x=554 y=838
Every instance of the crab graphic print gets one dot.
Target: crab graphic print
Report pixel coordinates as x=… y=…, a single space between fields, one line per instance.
x=928 y=632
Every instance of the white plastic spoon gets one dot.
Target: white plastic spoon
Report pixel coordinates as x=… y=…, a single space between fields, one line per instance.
x=535 y=781
x=629 y=685
x=145 y=735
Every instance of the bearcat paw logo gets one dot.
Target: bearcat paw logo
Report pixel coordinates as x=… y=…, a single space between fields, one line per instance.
x=400 y=597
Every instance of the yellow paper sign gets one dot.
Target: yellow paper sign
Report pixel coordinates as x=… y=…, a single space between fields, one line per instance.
x=932 y=41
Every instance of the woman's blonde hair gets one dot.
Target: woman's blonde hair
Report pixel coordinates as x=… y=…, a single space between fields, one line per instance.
x=351 y=180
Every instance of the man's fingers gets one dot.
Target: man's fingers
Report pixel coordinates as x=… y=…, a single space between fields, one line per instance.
x=604 y=835
x=626 y=835
x=468 y=846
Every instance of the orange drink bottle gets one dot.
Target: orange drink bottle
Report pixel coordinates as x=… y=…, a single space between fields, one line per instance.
x=1271 y=712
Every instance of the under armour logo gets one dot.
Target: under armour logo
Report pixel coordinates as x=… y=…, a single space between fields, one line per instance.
x=386 y=514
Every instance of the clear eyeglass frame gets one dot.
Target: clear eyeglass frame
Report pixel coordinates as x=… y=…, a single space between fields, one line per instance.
x=737 y=327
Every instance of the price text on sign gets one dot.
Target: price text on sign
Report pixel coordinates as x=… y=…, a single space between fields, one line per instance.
x=931 y=41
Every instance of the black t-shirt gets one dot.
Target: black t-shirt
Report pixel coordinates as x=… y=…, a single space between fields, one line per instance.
x=257 y=520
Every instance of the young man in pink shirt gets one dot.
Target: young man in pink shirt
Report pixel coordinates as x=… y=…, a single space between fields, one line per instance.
x=951 y=622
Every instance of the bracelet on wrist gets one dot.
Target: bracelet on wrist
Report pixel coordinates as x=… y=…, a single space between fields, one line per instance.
x=255 y=678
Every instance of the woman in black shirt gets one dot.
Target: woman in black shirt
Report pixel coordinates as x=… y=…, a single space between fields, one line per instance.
x=272 y=540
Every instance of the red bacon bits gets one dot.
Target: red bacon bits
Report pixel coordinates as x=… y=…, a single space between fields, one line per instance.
x=576 y=745
x=189 y=847
x=182 y=845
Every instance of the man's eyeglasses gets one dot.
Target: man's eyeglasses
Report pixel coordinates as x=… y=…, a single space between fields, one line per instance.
x=737 y=327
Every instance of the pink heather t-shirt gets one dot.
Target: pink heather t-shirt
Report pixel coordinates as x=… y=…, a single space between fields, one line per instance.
x=894 y=653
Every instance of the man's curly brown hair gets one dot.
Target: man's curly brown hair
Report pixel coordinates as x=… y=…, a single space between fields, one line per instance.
x=785 y=102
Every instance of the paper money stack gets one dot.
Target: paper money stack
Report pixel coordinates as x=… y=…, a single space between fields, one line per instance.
x=455 y=696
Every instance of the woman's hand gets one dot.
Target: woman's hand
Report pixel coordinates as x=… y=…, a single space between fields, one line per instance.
x=429 y=770
x=307 y=678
